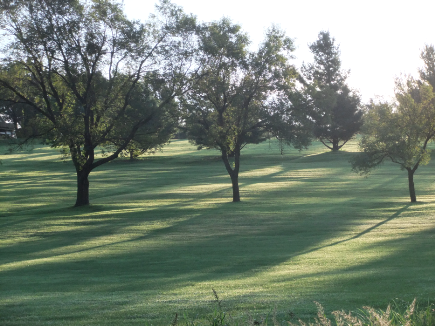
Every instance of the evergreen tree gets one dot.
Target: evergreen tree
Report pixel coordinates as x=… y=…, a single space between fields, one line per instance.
x=336 y=108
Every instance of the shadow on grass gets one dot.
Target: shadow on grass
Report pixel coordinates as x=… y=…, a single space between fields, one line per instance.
x=247 y=243
x=395 y=215
x=405 y=273
x=159 y=235
x=205 y=247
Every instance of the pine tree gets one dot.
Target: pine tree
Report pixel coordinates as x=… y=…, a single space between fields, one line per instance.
x=336 y=108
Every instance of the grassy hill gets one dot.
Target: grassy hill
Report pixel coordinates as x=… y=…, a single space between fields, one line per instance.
x=162 y=232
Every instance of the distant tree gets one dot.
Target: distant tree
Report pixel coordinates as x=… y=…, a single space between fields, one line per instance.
x=20 y=115
x=427 y=73
x=241 y=94
x=153 y=135
x=399 y=133
x=337 y=115
x=149 y=140
x=80 y=64
x=23 y=119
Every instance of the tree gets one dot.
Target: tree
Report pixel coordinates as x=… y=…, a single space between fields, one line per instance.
x=337 y=111
x=400 y=132
x=153 y=135
x=427 y=73
x=81 y=65
x=19 y=114
x=240 y=93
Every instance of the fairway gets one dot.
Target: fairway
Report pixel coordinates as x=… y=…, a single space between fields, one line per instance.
x=162 y=232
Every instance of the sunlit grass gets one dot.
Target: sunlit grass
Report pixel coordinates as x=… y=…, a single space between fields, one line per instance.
x=162 y=232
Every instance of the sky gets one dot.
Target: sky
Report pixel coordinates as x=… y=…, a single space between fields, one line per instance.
x=379 y=40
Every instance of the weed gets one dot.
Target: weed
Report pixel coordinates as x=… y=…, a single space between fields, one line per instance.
x=218 y=316
x=376 y=317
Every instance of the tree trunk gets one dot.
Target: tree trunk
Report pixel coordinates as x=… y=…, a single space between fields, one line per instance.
x=411 y=185
x=234 y=173
x=82 y=188
x=236 y=192
x=335 y=146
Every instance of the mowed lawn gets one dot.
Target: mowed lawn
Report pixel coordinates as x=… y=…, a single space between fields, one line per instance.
x=162 y=232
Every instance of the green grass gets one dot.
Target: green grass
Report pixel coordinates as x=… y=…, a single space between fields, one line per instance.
x=162 y=232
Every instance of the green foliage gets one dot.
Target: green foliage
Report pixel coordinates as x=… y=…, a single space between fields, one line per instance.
x=227 y=109
x=398 y=133
x=335 y=107
x=158 y=130
x=427 y=73
x=326 y=69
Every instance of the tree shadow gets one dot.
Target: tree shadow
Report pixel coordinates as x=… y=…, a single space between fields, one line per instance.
x=360 y=234
x=109 y=250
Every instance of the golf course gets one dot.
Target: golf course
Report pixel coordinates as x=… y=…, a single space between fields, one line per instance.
x=161 y=234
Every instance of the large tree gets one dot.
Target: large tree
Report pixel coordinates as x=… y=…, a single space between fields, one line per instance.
x=93 y=77
x=399 y=133
x=241 y=93
x=337 y=115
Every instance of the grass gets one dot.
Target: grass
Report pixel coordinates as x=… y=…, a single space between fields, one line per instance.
x=162 y=232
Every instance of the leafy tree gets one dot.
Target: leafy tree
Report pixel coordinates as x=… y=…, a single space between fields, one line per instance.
x=400 y=132
x=19 y=114
x=241 y=92
x=81 y=66
x=337 y=115
x=153 y=135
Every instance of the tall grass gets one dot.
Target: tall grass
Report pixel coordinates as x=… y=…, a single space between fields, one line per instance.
x=393 y=315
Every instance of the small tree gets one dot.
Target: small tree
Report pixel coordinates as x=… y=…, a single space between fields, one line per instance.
x=233 y=104
x=399 y=133
x=337 y=115
x=82 y=64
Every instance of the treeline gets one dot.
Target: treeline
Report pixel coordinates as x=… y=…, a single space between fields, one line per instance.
x=83 y=77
